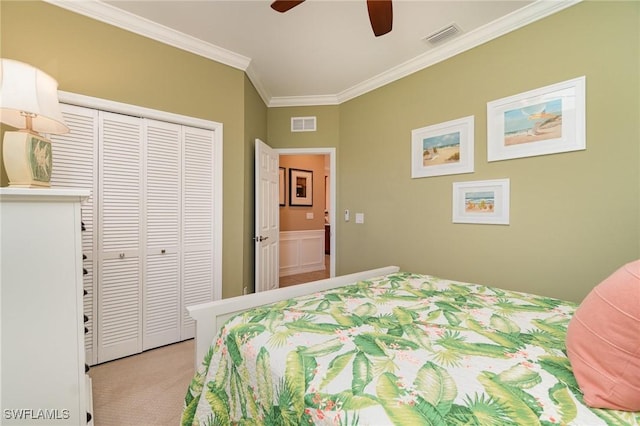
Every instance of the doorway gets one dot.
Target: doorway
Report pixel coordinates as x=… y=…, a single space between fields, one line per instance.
x=322 y=226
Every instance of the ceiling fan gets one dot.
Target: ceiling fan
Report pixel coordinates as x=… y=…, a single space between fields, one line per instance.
x=380 y=13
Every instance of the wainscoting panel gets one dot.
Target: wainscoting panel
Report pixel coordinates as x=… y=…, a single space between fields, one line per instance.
x=301 y=252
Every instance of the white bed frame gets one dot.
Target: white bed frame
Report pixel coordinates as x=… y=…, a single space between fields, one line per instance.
x=211 y=316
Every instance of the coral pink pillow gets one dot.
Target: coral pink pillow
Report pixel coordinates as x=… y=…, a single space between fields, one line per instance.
x=603 y=341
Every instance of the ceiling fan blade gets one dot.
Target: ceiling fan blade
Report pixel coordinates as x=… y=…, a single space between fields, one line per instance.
x=381 y=16
x=284 y=5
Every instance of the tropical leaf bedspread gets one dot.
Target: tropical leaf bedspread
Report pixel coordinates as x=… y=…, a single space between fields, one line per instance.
x=403 y=349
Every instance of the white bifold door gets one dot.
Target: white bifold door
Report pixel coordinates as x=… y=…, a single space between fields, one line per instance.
x=75 y=160
x=120 y=246
x=152 y=243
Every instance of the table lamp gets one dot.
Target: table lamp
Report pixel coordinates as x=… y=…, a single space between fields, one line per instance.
x=28 y=102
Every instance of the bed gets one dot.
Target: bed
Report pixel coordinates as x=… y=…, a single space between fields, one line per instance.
x=387 y=347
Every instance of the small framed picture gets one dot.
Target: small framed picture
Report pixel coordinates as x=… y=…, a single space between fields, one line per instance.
x=300 y=187
x=547 y=120
x=442 y=149
x=283 y=185
x=482 y=201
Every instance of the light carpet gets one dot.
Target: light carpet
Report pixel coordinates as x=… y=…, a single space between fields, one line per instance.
x=143 y=389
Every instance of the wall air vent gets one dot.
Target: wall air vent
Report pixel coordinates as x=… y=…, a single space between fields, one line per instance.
x=443 y=34
x=303 y=124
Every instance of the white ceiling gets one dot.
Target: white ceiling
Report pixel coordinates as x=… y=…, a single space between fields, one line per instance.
x=322 y=51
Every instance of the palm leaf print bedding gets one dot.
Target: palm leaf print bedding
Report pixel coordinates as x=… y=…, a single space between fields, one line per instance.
x=403 y=349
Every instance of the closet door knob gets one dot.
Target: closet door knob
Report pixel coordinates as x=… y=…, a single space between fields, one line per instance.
x=121 y=255
x=163 y=251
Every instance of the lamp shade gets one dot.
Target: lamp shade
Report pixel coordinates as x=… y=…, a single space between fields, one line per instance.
x=28 y=91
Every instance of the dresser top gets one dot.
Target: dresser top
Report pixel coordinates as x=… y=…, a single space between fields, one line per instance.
x=73 y=194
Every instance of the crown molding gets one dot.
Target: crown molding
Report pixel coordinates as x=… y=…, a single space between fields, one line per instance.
x=255 y=79
x=515 y=20
x=108 y=14
x=286 y=101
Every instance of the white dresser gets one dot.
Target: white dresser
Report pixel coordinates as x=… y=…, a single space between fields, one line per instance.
x=43 y=379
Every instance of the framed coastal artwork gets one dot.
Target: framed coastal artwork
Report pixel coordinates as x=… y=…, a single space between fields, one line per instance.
x=547 y=120
x=482 y=201
x=282 y=184
x=442 y=149
x=300 y=187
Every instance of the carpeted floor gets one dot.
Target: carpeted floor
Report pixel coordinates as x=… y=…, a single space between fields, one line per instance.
x=147 y=389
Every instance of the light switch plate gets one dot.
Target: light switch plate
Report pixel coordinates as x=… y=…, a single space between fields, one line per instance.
x=310 y=215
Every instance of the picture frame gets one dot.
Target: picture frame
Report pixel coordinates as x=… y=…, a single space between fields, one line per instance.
x=300 y=187
x=443 y=149
x=482 y=202
x=547 y=120
x=283 y=185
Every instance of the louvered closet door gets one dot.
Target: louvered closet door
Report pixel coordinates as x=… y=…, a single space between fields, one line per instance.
x=197 y=241
x=120 y=248
x=161 y=300
x=74 y=165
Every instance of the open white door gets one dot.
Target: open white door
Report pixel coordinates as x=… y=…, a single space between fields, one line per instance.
x=267 y=218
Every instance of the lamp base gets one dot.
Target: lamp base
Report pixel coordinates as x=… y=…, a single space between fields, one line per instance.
x=27 y=159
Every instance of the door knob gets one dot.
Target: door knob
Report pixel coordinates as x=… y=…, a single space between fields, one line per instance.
x=260 y=238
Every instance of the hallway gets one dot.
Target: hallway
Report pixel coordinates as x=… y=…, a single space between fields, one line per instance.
x=307 y=277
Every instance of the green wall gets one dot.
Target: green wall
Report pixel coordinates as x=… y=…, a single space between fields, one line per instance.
x=575 y=217
x=327 y=134
x=95 y=59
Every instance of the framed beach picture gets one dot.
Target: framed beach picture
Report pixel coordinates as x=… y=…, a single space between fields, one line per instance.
x=283 y=185
x=482 y=201
x=543 y=121
x=442 y=149
x=300 y=187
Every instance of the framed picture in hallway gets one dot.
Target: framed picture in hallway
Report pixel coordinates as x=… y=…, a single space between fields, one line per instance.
x=300 y=187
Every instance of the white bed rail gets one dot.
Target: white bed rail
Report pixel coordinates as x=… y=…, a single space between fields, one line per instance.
x=211 y=316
